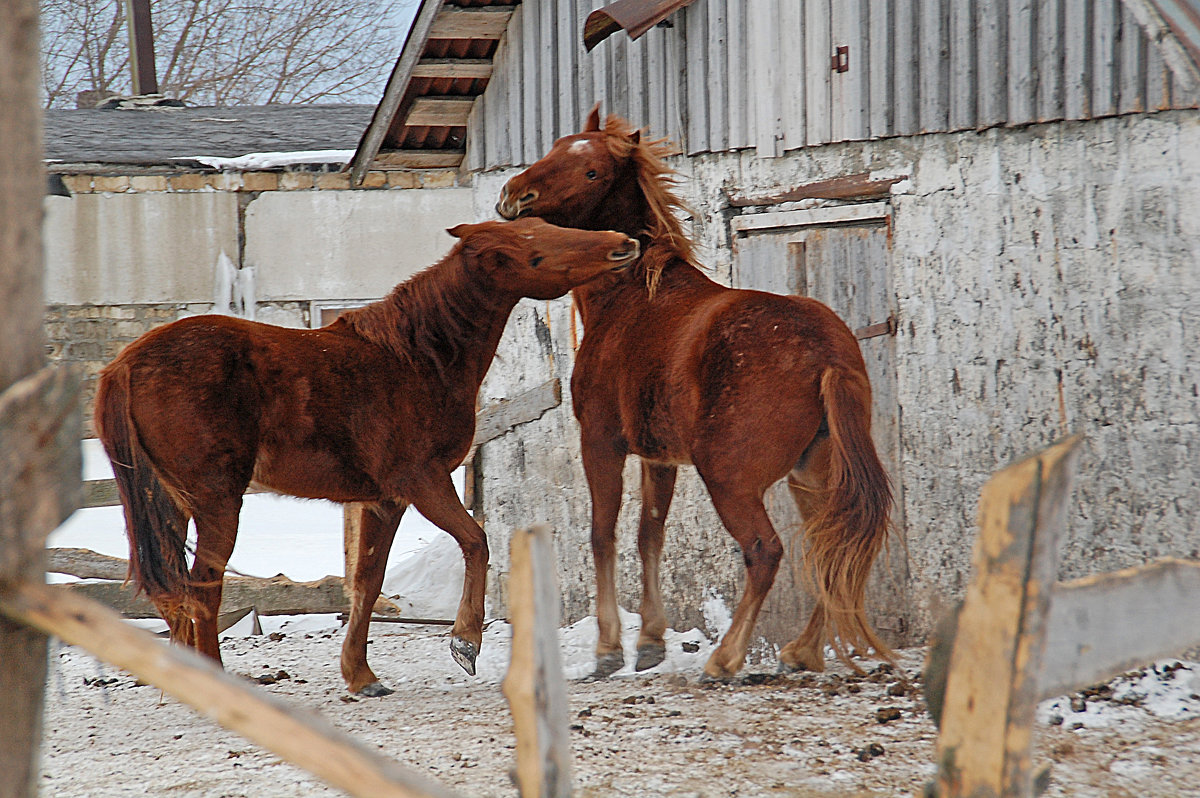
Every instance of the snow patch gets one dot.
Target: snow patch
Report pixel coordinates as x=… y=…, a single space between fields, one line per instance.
x=271 y=160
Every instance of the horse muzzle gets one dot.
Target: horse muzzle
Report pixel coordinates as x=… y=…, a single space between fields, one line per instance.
x=512 y=208
x=626 y=254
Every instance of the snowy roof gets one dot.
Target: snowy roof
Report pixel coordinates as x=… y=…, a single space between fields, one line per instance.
x=164 y=136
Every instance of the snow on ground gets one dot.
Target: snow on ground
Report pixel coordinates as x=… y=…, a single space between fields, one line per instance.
x=660 y=733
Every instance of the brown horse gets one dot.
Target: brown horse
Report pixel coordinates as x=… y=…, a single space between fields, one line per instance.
x=378 y=407
x=748 y=387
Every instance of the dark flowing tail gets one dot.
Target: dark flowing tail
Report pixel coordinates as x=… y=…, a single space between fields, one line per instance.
x=156 y=527
x=848 y=532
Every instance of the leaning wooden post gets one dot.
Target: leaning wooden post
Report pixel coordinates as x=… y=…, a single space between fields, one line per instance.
x=984 y=748
x=534 y=684
x=39 y=419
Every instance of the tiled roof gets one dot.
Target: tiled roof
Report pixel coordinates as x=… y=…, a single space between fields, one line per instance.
x=159 y=136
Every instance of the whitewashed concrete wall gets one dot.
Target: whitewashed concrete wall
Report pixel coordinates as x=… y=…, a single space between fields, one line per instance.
x=1047 y=280
x=164 y=247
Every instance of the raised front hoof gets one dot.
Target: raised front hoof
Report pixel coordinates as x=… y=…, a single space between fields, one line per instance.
x=464 y=653
x=374 y=690
x=650 y=655
x=607 y=665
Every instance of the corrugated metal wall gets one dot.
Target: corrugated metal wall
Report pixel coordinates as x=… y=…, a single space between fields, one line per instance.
x=733 y=74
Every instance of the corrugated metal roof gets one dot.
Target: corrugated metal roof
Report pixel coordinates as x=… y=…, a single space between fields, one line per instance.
x=635 y=17
x=445 y=63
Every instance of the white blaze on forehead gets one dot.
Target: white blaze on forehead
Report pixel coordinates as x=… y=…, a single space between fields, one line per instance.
x=581 y=145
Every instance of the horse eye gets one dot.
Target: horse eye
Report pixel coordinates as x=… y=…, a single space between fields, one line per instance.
x=536 y=262
x=591 y=175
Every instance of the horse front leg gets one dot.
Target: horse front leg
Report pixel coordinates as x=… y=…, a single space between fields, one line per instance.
x=377 y=530
x=746 y=519
x=602 y=463
x=658 y=486
x=439 y=503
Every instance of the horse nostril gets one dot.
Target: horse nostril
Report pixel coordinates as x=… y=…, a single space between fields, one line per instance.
x=529 y=197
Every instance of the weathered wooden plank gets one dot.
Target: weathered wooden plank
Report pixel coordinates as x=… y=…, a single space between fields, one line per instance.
x=528 y=81
x=1131 y=86
x=849 y=90
x=717 y=62
x=570 y=50
x=1077 y=59
x=1106 y=39
x=418 y=159
x=964 y=62
x=695 y=105
x=534 y=683
x=992 y=682
x=658 y=82
x=1022 y=70
x=547 y=77
x=1101 y=626
x=818 y=53
x=880 y=81
x=439 y=111
x=1049 y=53
x=991 y=91
x=739 y=108
x=843 y=214
x=297 y=736
x=789 y=93
x=482 y=22
x=635 y=82
x=768 y=98
x=933 y=65
x=847 y=187
x=906 y=85
x=515 y=122
x=497 y=419
x=86 y=564
x=453 y=68
x=25 y=517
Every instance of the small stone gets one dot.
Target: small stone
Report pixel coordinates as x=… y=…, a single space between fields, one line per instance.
x=887 y=714
x=690 y=647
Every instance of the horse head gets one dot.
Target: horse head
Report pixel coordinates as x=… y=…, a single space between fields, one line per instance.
x=533 y=258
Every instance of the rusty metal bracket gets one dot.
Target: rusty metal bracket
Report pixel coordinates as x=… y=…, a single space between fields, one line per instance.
x=841 y=59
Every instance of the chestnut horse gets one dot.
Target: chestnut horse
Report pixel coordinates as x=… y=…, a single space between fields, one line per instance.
x=377 y=407
x=747 y=386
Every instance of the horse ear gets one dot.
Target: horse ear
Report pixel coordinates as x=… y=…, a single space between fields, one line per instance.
x=635 y=137
x=462 y=230
x=593 y=120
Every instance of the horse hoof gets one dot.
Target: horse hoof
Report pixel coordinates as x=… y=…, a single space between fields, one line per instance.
x=708 y=678
x=608 y=664
x=650 y=655
x=464 y=653
x=375 y=690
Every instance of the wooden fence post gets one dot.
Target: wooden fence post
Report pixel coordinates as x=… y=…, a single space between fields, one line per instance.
x=39 y=478
x=534 y=683
x=984 y=748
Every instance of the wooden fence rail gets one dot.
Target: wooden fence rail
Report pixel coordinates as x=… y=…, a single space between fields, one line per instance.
x=1019 y=637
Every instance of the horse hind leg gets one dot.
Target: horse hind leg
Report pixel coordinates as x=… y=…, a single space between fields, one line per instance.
x=376 y=530
x=806 y=483
x=658 y=485
x=216 y=532
x=746 y=518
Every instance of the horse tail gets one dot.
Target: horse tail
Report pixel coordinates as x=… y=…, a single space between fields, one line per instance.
x=155 y=525
x=852 y=525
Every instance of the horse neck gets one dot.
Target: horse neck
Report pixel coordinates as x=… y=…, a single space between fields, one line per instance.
x=444 y=320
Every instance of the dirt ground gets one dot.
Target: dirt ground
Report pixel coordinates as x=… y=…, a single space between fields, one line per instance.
x=665 y=734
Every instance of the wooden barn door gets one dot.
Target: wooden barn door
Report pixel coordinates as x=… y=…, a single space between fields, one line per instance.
x=848 y=268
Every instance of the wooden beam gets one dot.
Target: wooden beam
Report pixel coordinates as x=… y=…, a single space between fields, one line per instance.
x=454 y=68
x=32 y=497
x=499 y=418
x=393 y=93
x=104 y=493
x=848 y=187
x=439 y=112
x=418 y=159
x=302 y=738
x=1104 y=625
x=534 y=683
x=992 y=683
x=487 y=22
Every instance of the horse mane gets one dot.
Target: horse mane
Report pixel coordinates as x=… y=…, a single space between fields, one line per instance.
x=657 y=182
x=429 y=316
